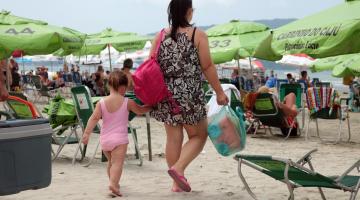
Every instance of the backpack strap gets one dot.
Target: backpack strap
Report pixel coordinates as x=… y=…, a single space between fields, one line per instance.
x=193 y=36
x=161 y=37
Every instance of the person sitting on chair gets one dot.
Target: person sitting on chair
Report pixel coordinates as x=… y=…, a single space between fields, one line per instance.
x=288 y=107
x=304 y=78
x=290 y=78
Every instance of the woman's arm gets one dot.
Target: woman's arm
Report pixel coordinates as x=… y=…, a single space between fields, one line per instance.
x=154 y=44
x=134 y=107
x=208 y=67
x=93 y=120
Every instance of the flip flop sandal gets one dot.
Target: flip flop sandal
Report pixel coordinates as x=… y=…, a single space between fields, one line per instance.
x=180 y=180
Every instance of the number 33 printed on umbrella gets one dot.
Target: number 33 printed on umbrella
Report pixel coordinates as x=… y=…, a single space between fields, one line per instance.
x=219 y=43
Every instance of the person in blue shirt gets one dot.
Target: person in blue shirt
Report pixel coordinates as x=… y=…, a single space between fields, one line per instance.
x=271 y=82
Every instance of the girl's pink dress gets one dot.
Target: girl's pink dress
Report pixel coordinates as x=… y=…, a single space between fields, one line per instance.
x=114 y=130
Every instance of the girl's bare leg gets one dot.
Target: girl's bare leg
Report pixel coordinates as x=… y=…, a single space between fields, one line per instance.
x=117 y=162
x=108 y=157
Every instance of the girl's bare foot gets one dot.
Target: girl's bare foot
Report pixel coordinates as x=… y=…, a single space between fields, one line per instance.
x=115 y=191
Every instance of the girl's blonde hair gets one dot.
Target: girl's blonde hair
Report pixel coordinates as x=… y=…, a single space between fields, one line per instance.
x=118 y=79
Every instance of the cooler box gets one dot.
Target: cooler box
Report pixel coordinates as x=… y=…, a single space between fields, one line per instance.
x=25 y=155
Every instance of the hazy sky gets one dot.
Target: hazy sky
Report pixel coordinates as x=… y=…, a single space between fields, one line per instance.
x=146 y=16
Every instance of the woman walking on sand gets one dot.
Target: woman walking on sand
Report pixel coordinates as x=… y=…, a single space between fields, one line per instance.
x=184 y=56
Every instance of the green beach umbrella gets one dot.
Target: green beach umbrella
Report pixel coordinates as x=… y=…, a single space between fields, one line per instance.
x=121 y=41
x=341 y=66
x=332 y=32
x=235 y=40
x=327 y=64
x=34 y=37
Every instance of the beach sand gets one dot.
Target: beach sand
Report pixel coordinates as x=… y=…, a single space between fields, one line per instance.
x=210 y=175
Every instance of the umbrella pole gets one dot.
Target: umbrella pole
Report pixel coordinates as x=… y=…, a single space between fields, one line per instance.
x=239 y=68
x=23 y=64
x=252 y=73
x=109 y=57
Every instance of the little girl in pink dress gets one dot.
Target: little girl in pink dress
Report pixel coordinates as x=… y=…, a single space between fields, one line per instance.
x=114 y=112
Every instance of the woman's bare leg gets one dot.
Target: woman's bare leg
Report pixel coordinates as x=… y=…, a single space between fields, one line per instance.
x=117 y=162
x=174 y=140
x=197 y=138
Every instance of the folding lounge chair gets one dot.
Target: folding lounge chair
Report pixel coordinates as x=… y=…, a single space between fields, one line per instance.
x=84 y=108
x=298 y=90
x=269 y=115
x=279 y=82
x=295 y=174
x=319 y=102
x=62 y=117
x=19 y=108
x=42 y=90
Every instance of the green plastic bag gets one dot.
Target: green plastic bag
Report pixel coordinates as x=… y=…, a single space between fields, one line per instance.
x=227 y=131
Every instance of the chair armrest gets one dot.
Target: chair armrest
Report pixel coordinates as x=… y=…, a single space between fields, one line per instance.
x=355 y=165
x=306 y=158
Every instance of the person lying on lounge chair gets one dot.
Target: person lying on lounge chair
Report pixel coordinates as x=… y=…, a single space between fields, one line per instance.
x=288 y=107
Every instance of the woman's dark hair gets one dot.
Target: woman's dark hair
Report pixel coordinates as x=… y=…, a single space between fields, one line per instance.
x=177 y=11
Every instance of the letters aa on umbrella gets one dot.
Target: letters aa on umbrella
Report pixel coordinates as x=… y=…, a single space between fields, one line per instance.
x=34 y=37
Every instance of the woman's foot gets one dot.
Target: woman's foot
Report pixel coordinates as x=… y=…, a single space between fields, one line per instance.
x=176 y=188
x=180 y=180
x=115 y=191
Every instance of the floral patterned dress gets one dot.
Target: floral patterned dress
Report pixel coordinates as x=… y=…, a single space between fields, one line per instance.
x=180 y=64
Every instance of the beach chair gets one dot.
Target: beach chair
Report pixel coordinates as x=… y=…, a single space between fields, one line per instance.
x=298 y=90
x=18 y=107
x=266 y=111
x=279 y=82
x=322 y=84
x=61 y=119
x=26 y=83
x=84 y=108
x=41 y=90
x=225 y=81
x=321 y=103
x=295 y=174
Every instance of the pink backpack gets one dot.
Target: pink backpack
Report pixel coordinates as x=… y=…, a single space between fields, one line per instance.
x=149 y=84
